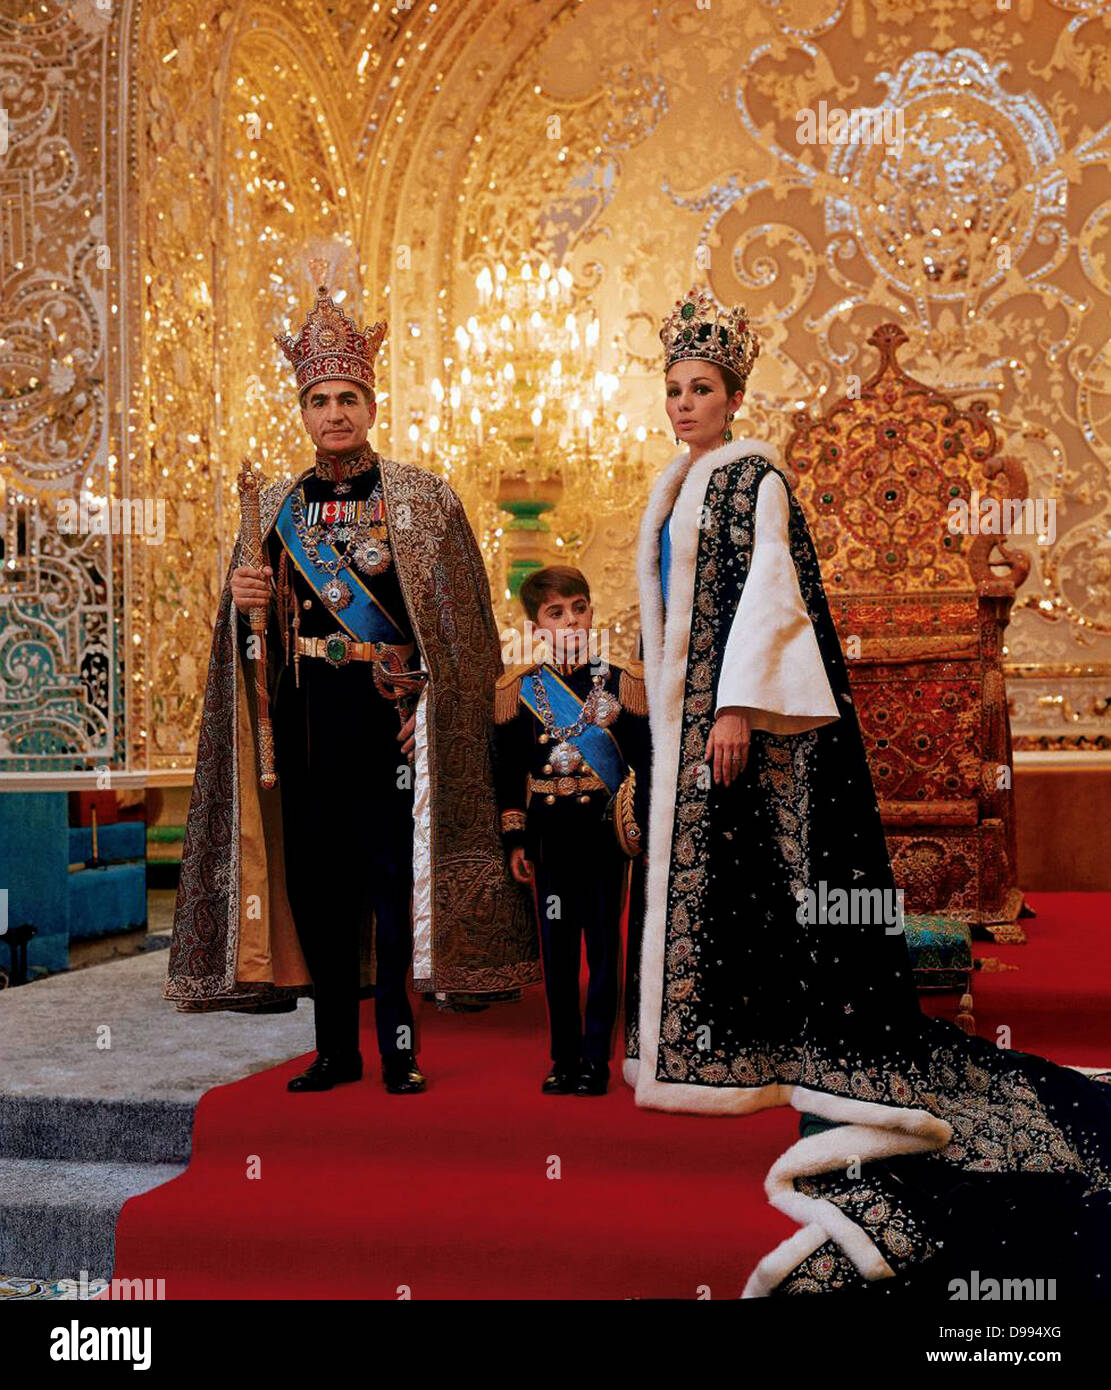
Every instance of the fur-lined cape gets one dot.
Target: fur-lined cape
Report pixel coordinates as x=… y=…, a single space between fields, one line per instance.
x=933 y=1139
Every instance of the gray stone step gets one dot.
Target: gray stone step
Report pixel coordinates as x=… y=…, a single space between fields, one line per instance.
x=99 y=1081
x=59 y=1218
x=109 y=1131
x=95 y=1064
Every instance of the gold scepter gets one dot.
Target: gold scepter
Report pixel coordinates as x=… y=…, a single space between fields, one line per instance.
x=251 y=531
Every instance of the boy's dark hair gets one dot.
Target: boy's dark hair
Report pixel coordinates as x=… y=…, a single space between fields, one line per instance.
x=561 y=579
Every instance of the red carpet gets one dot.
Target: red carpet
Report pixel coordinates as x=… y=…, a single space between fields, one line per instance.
x=1055 y=1004
x=449 y=1195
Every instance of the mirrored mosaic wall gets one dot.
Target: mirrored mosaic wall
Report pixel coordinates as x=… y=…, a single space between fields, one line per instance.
x=167 y=172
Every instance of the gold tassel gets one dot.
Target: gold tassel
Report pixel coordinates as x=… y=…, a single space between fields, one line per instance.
x=630 y=688
x=506 y=695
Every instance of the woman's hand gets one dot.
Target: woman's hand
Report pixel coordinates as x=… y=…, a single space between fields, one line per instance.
x=519 y=866
x=251 y=588
x=727 y=746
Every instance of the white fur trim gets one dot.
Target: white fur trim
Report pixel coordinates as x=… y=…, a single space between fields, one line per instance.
x=680 y=490
x=772 y=665
x=778 y=1263
x=870 y=1131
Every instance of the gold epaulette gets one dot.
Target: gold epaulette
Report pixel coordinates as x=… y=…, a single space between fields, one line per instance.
x=630 y=688
x=507 y=693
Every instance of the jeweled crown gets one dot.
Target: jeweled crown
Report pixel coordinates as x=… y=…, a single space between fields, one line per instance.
x=330 y=345
x=697 y=330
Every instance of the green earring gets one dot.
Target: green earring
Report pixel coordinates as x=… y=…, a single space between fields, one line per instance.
x=728 y=435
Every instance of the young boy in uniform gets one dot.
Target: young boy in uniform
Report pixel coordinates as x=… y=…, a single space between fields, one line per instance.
x=571 y=774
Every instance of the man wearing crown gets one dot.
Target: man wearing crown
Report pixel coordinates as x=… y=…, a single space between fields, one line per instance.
x=382 y=656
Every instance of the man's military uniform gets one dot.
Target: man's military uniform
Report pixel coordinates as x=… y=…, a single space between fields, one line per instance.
x=576 y=800
x=346 y=786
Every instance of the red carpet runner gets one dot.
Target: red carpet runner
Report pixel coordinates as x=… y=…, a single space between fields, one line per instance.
x=453 y=1195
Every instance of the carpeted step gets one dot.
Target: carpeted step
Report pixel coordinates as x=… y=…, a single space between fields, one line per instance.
x=59 y=1218
x=120 y=1130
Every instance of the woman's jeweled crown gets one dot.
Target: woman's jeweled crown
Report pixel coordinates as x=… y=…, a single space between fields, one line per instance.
x=330 y=345
x=697 y=330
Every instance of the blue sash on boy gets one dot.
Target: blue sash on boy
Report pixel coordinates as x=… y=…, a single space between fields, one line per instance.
x=364 y=617
x=597 y=745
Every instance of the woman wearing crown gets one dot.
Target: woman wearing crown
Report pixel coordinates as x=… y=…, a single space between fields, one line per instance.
x=762 y=807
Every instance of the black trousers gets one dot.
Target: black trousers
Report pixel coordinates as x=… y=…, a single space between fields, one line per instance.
x=348 y=830
x=580 y=873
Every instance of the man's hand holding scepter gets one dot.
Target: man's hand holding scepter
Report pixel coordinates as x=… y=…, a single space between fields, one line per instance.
x=250 y=592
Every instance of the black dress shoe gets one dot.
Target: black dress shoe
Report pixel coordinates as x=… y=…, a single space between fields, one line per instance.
x=327 y=1072
x=594 y=1079
x=561 y=1080
x=402 y=1075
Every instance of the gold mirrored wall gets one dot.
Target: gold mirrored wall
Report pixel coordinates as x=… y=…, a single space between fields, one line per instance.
x=170 y=170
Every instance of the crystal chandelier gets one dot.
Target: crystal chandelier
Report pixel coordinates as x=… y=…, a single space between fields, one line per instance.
x=531 y=416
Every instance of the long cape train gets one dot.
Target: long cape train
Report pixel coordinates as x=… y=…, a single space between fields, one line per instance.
x=934 y=1149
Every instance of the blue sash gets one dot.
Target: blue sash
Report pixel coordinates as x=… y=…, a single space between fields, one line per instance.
x=665 y=557
x=597 y=745
x=364 y=618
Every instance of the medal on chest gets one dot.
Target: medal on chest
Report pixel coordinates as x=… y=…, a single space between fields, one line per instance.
x=600 y=708
x=564 y=759
x=372 y=556
x=357 y=524
x=335 y=594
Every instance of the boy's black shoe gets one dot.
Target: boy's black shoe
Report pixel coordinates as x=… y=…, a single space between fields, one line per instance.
x=327 y=1072
x=561 y=1080
x=402 y=1075
x=594 y=1078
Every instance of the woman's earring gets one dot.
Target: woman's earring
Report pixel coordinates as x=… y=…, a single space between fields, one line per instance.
x=728 y=435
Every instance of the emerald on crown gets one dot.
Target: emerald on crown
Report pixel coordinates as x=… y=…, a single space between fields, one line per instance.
x=698 y=330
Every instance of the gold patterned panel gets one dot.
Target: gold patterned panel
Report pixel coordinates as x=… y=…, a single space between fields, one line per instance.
x=877 y=477
x=646 y=148
x=63 y=608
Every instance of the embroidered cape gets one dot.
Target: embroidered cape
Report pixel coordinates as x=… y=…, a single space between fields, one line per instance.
x=234 y=941
x=746 y=1001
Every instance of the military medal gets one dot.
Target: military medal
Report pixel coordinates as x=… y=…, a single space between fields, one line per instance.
x=350 y=522
x=372 y=556
x=336 y=594
x=600 y=708
x=565 y=758
x=606 y=709
x=606 y=706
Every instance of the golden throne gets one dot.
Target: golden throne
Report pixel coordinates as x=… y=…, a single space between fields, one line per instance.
x=921 y=613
